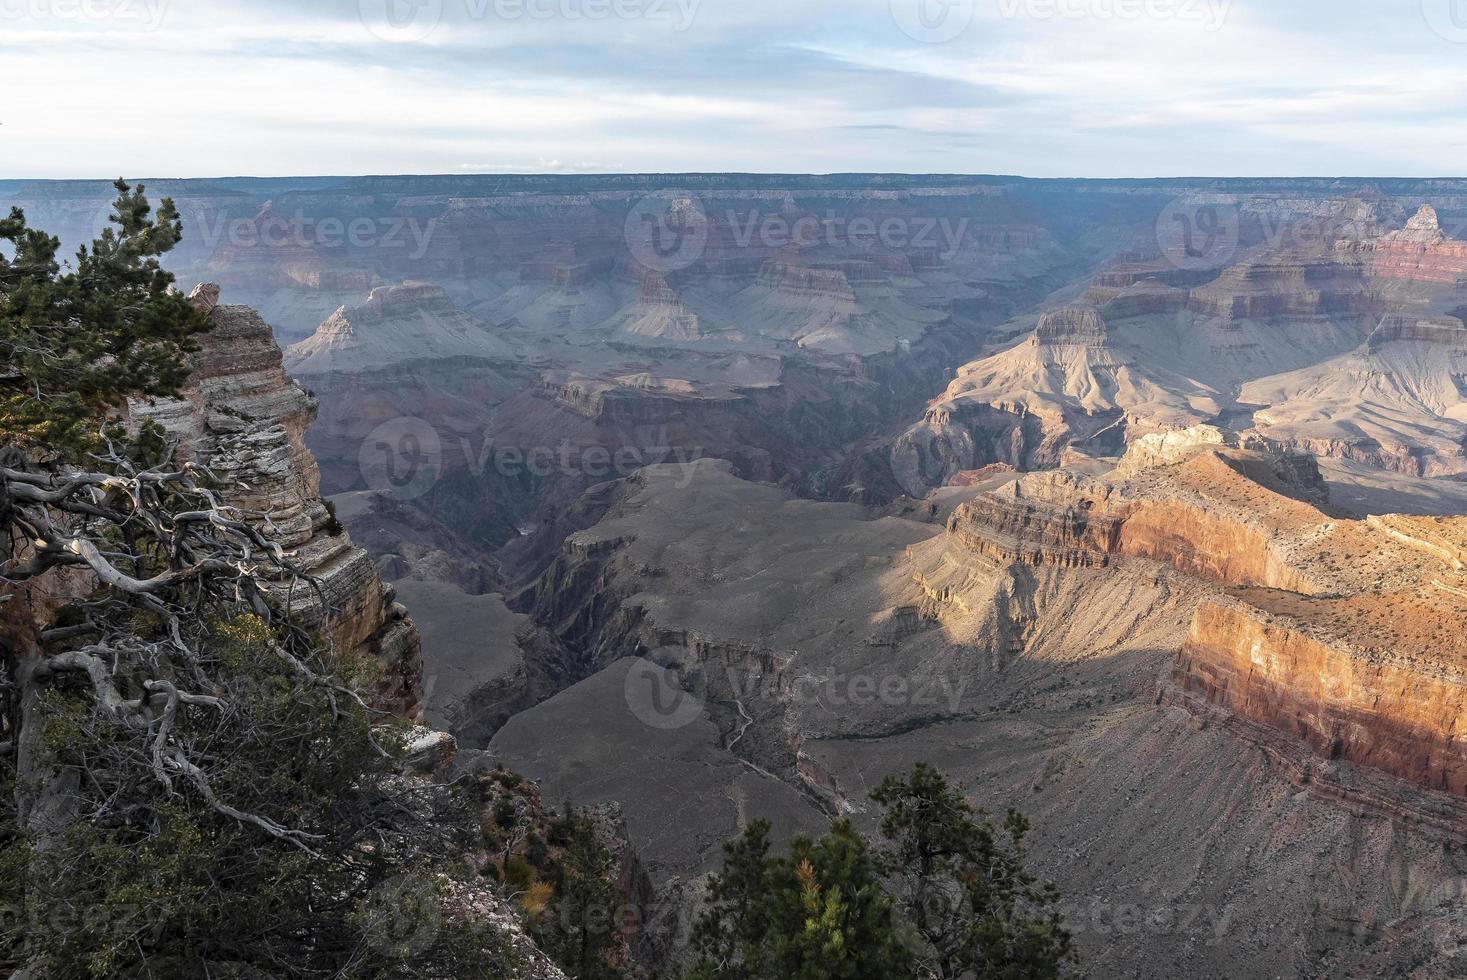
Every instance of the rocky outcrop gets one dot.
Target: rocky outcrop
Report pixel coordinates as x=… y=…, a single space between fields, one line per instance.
x=1420 y=252
x=958 y=438
x=1146 y=299
x=395 y=326
x=1347 y=635
x=1205 y=516
x=791 y=279
x=1284 y=285
x=245 y=418
x=662 y=312
x=1441 y=331
x=1071 y=325
x=1047 y=519
x=1362 y=698
x=1295 y=474
x=609 y=403
x=479 y=904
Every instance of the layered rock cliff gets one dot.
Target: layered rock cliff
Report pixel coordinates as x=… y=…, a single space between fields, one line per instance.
x=1374 y=697
x=1344 y=634
x=1419 y=252
x=1080 y=325
x=246 y=419
x=1284 y=285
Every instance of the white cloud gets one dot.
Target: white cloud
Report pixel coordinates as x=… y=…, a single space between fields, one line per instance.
x=230 y=87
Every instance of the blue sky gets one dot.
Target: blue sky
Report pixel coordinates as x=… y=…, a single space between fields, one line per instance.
x=1105 y=88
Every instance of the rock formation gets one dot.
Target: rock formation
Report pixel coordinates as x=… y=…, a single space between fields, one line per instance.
x=246 y=419
x=1064 y=386
x=1078 y=325
x=1337 y=632
x=396 y=325
x=1398 y=401
x=1419 y=252
x=1345 y=336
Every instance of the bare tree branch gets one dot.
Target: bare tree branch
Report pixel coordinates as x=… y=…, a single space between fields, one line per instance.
x=159 y=541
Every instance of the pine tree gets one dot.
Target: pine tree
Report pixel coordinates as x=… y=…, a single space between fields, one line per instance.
x=581 y=930
x=75 y=344
x=962 y=883
x=947 y=897
x=819 y=913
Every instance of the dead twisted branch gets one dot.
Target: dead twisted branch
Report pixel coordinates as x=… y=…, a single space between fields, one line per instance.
x=170 y=560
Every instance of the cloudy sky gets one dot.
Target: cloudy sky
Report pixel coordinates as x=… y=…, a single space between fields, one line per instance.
x=96 y=88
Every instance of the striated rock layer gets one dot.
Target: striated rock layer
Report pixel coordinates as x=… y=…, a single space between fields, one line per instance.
x=1274 y=662
x=245 y=418
x=1421 y=252
x=1346 y=634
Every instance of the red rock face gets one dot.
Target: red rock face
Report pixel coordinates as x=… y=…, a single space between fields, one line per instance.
x=1376 y=708
x=1349 y=635
x=1421 y=252
x=1441 y=263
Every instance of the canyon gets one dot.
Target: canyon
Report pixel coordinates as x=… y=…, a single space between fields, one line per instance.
x=1138 y=505
x=1338 y=340
x=1201 y=687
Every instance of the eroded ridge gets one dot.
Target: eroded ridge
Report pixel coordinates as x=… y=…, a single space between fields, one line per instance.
x=1347 y=634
